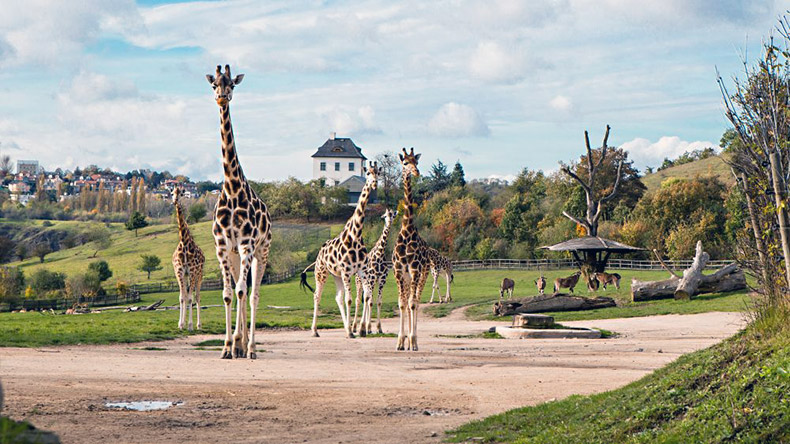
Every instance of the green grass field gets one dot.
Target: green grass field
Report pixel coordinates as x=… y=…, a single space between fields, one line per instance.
x=123 y=255
x=473 y=287
x=735 y=391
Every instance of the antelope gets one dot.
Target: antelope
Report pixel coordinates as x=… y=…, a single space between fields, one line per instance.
x=568 y=282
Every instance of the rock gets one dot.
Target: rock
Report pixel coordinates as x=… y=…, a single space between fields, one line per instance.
x=532 y=320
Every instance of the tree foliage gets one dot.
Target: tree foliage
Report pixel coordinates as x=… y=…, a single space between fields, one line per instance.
x=149 y=263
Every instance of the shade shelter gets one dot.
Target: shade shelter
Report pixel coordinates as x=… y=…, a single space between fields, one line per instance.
x=593 y=251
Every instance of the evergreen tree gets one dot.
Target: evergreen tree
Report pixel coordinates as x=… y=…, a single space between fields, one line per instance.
x=141 y=197
x=457 y=176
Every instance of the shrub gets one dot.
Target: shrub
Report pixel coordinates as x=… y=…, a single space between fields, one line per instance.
x=12 y=280
x=43 y=281
x=102 y=268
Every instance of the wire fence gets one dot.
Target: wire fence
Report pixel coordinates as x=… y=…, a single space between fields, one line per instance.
x=554 y=264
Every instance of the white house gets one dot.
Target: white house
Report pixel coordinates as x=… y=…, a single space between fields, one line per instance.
x=337 y=160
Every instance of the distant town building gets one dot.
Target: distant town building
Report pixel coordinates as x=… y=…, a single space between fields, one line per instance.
x=28 y=167
x=337 y=160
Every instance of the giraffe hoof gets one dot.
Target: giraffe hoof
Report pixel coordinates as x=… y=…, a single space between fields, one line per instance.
x=363 y=333
x=226 y=355
x=253 y=355
x=315 y=334
x=351 y=336
x=381 y=332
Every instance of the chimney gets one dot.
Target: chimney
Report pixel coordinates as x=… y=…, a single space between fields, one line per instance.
x=332 y=135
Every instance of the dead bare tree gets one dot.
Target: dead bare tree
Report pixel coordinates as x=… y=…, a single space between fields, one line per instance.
x=594 y=203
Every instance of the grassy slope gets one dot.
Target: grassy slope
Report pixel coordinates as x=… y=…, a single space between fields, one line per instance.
x=735 y=391
x=481 y=287
x=712 y=166
x=123 y=255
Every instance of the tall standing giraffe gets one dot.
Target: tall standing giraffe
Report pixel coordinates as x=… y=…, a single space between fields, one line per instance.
x=188 y=260
x=343 y=257
x=440 y=265
x=375 y=270
x=409 y=259
x=242 y=230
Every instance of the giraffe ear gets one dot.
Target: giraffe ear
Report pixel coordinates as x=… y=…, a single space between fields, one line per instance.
x=210 y=78
x=417 y=156
x=238 y=79
x=400 y=156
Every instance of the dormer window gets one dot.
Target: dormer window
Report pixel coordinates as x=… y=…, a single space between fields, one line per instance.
x=337 y=149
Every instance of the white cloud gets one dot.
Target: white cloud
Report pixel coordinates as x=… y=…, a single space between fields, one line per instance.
x=492 y=63
x=457 y=120
x=49 y=32
x=561 y=103
x=348 y=123
x=645 y=152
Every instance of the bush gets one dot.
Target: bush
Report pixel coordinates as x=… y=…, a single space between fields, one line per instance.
x=102 y=268
x=85 y=285
x=44 y=281
x=12 y=281
x=121 y=288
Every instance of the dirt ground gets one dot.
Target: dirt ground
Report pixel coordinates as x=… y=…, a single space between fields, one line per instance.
x=332 y=389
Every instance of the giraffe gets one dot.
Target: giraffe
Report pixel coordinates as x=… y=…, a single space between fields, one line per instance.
x=375 y=270
x=188 y=263
x=440 y=265
x=242 y=230
x=409 y=259
x=343 y=257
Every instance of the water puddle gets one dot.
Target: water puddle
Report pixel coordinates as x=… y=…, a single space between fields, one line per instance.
x=142 y=406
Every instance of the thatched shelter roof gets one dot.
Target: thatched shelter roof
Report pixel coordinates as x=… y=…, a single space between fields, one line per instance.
x=592 y=243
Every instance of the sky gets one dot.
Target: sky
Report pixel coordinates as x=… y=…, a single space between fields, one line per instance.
x=498 y=85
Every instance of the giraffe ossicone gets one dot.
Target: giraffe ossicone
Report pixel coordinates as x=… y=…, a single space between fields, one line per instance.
x=242 y=230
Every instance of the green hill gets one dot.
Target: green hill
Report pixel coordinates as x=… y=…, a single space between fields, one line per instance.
x=712 y=166
x=291 y=241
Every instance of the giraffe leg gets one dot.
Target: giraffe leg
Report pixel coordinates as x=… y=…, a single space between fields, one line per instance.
x=240 y=333
x=414 y=305
x=381 y=283
x=258 y=269
x=434 y=287
x=448 y=277
x=358 y=282
x=402 y=300
x=198 y=283
x=347 y=304
x=182 y=290
x=369 y=306
x=320 y=278
x=223 y=254
x=190 y=293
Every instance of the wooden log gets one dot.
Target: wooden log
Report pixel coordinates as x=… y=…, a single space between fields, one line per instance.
x=555 y=302
x=692 y=276
x=727 y=278
x=650 y=290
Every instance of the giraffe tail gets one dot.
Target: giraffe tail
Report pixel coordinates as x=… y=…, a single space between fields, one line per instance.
x=452 y=277
x=303 y=282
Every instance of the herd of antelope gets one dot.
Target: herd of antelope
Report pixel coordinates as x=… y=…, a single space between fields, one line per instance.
x=597 y=280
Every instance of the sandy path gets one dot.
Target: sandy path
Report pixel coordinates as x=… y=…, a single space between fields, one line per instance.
x=332 y=389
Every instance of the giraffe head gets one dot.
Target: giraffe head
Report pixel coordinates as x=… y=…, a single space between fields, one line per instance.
x=176 y=194
x=372 y=175
x=223 y=85
x=409 y=162
x=389 y=216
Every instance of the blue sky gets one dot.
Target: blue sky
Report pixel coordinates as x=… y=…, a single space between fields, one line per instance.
x=498 y=85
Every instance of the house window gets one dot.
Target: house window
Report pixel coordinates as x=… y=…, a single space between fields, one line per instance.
x=337 y=166
x=351 y=166
x=337 y=182
x=323 y=166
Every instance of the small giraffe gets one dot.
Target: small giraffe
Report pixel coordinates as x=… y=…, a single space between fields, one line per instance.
x=440 y=265
x=188 y=263
x=343 y=257
x=375 y=270
x=242 y=230
x=409 y=259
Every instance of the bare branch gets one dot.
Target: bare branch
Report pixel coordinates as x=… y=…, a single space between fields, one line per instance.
x=661 y=261
x=578 y=221
x=616 y=183
x=589 y=150
x=568 y=171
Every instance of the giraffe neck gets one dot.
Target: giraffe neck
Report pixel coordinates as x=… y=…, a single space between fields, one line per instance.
x=382 y=242
x=407 y=220
x=354 y=225
x=230 y=162
x=183 y=229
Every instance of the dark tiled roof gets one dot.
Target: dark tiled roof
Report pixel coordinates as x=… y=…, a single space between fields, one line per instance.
x=339 y=147
x=592 y=243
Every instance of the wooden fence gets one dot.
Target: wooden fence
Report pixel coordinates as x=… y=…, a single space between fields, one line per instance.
x=63 y=304
x=554 y=264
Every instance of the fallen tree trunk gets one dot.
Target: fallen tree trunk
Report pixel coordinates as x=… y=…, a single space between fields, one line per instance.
x=555 y=302
x=728 y=278
x=692 y=276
